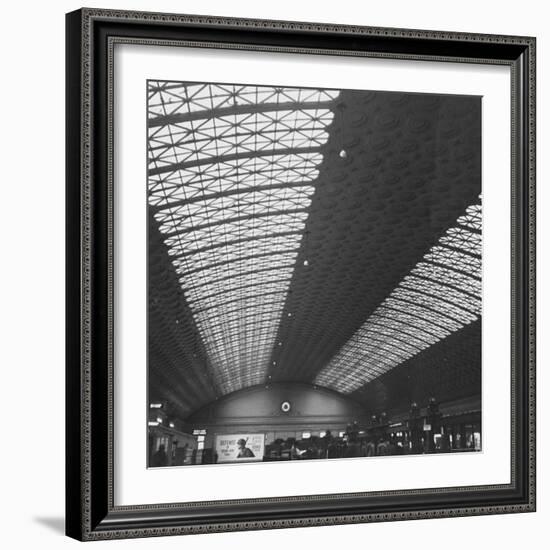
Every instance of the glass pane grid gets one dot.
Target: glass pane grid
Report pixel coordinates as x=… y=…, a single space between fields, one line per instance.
x=231 y=173
x=441 y=295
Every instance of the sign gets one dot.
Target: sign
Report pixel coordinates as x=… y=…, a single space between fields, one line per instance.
x=240 y=447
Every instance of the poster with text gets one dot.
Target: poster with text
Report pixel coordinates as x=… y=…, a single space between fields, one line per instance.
x=240 y=447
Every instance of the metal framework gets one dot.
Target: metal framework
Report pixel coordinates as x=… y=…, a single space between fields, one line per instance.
x=232 y=171
x=441 y=295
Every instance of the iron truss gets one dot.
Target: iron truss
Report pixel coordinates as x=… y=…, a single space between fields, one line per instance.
x=441 y=295
x=231 y=176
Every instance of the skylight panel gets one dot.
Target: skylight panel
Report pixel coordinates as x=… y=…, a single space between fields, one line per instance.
x=231 y=135
x=230 y=291
x=441 y=295
x=434 y=303
x=231 y=296
x=211 y=287
x=231 y=205
x=234 y=252
x=164 y=100
x=195 y=242
x=472 y=218
x=240 y=225
x=454 y=259
x=190 y=183
x=231 y=178
x=428 y=287
x=228 y=270
x=455 y=279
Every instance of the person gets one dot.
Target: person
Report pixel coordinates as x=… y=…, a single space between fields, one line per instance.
x=371 y=448
x=160 y=458
x=326 y=442
x=353 y=448
x=383 y=447
x=277 y=448
x=295 y=451
x=312 y=450
x=333 y=447
x=244 y=451
x=184 y=453
x=392 y=446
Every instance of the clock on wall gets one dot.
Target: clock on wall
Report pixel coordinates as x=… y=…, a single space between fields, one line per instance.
x=285 y=406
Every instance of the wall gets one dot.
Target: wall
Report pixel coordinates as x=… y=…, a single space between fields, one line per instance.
x=258 y=409
x=31 y=294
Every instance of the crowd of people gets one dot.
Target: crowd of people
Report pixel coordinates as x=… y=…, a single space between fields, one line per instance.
x=350 y=445
x=328 y=446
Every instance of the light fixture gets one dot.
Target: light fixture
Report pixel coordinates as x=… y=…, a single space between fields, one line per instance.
x=285 y=406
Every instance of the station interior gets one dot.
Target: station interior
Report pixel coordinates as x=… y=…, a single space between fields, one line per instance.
x=314 y=273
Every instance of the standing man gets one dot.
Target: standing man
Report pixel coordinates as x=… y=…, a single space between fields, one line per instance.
x=160 y=458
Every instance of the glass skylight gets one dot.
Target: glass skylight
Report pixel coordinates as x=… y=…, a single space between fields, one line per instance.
x=231 y=177
x=441 y=295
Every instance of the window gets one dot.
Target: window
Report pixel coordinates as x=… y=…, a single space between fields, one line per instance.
x=232 y=173
x=441 y=295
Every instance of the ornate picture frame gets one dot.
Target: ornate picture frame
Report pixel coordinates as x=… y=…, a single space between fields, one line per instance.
x=91 y=367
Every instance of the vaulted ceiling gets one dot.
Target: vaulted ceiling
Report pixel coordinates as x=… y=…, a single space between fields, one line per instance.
x=323 y=236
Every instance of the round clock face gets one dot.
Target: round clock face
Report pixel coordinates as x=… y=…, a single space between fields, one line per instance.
x=285 y=406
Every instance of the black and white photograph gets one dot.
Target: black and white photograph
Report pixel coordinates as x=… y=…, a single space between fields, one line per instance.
x=314 y=282
x=270 y=275
x=300 y=274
